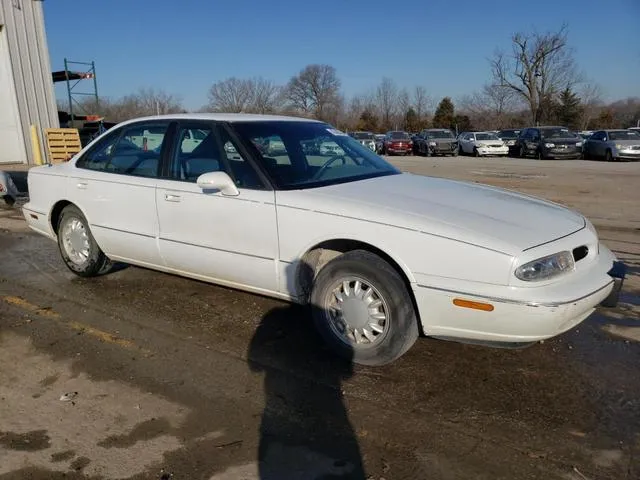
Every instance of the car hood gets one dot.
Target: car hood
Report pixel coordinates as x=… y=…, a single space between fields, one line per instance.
x=472 y=213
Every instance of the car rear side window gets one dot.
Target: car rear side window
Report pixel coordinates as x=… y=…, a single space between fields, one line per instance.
x=134 y=150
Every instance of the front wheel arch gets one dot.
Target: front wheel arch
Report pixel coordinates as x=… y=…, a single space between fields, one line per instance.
x=318 y=255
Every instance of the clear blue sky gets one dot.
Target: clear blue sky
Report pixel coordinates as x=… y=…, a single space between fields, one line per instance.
x=183 y=46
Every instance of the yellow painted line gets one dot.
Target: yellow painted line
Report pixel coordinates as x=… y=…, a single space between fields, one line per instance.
x=24 y=305
x=103 y=336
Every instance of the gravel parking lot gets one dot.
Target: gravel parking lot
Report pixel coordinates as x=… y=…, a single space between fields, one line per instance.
x=143 y=375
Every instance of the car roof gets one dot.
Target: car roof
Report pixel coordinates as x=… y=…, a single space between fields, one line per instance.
x=223 y=117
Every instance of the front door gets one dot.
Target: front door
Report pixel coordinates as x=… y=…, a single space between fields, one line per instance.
x=227 y=239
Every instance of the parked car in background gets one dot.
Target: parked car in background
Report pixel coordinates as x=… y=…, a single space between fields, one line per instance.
x=329 y=148
x=437 y=141
x=365 y=138
x=613 y=145
x=585 y=134
x=549 y=142
x=510 y=136
x=481 y=144
x=397 y=143
x=378 y=255
x=379 y=142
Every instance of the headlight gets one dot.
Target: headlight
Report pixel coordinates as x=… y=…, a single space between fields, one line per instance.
x=549 y=145
x=432 y=144
x=619 y=147
x=578 y=144
x=546 y=267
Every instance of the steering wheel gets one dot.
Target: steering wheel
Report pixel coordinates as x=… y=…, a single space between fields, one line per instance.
x=326 y=165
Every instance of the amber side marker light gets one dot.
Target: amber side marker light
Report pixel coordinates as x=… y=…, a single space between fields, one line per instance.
x=485 y=307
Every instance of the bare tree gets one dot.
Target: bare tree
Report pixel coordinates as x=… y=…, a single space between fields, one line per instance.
x=266 y=96
x=404 y=104
x=591 y=99
x=538 y=68
x=315 y=90
x=491 y=107
x=421 y=101
x=231 y=95
x=146 y=101
x=159 y=102
x=249 y=95
x=387 y=98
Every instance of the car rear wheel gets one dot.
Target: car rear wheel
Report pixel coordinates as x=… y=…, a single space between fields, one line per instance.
x=363 y=310
x=79 y=250
x=539 y=155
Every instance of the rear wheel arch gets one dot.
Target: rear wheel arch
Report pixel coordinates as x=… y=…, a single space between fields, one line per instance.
x=56 y=211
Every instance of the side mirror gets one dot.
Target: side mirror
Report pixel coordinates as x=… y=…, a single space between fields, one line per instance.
x=219 y=181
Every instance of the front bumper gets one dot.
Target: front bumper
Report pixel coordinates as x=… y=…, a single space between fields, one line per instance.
x=404 y=149
x=528 y=314
x=443 y=150
x=558 y=153
x=493 y=151
x=628 y=154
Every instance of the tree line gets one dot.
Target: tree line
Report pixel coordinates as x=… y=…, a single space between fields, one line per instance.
x=536 y=81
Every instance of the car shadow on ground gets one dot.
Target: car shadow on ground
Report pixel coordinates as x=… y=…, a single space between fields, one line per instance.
x=305 y=431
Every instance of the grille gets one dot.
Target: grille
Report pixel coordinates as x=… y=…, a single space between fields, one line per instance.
x=580 y=252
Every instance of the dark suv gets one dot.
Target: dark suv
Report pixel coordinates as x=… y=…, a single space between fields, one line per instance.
x=549 y=142
x=436 y=141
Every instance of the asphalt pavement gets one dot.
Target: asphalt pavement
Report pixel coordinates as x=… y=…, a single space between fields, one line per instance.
x=144 y=375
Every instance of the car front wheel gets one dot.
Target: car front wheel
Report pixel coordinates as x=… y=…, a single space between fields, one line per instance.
x=363 y=310
x=78 y=248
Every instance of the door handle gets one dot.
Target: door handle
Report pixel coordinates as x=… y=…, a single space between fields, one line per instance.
x=171 y=198
x=82 y=185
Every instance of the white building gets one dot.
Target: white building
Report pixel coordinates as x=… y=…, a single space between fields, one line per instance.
x=26 y=85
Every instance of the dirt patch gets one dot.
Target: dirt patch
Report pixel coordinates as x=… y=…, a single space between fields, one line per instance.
x=25 y=442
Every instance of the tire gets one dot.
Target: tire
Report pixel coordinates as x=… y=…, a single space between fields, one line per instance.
x=96 y=262
x=521 y=152
x=539 y=155
x=607 y=156
x=400 y=329
x=476 y=153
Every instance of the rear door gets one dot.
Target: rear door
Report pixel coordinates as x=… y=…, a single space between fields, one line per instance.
x=114 y=185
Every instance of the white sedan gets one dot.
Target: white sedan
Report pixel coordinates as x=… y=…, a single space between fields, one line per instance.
x=380 y=256
x=482 y=144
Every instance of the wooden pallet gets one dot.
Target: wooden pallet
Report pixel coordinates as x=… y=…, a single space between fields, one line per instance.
x=62 y=143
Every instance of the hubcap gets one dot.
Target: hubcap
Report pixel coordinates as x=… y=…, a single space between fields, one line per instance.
x=357 y=313
x=75 y=241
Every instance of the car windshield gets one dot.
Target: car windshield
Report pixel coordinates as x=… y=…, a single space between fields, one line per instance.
x=486 y=136
x=509 y=133
x=440 y=134
x=557 y=133
x=298 y=155
x=398 y=135
x=624 y=135
x=362 y=135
